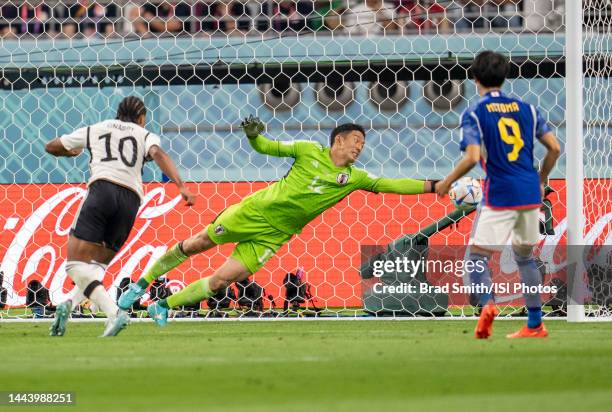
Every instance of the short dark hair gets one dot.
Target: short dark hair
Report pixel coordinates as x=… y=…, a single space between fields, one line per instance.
x=130 y=109
x=490 y=68
x=343 y=128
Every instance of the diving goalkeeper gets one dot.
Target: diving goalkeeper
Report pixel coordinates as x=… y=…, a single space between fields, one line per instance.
x=267 y=219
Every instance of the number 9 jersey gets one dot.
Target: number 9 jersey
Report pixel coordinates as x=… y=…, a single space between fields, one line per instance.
x=117 y=150
x=505 y=128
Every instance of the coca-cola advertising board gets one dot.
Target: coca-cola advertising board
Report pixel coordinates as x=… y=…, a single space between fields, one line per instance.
x=35 y=221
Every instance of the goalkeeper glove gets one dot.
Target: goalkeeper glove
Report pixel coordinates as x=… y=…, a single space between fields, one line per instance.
x=252 y=126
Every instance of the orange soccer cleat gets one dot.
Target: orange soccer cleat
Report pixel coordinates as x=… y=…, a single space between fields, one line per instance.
x=527 y=332
x=484 y=327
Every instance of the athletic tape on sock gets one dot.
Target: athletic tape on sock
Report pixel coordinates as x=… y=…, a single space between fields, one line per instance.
x=90 y=288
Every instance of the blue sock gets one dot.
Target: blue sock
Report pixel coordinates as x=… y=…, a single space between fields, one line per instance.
x=531 y=276
x=480 y=275
x=534 y=317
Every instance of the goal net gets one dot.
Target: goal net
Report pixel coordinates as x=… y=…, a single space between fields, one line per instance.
x=597 y=50
x=399 y=68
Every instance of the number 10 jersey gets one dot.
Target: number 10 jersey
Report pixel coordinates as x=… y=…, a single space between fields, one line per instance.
x=118 y=151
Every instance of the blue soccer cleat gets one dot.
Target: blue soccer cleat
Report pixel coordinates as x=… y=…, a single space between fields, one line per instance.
x=158 y=313
x=116 y=325
x=131 y=295
x=62 y=314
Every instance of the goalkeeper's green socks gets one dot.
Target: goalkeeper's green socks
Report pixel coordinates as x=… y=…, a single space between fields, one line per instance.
x=193 y=293
x=171 y=259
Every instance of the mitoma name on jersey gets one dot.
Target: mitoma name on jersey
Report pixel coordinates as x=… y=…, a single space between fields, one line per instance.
x=502 y=107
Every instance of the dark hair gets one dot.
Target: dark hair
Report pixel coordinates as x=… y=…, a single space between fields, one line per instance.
x=490 y=68
x=130 y=109
x=343 y=128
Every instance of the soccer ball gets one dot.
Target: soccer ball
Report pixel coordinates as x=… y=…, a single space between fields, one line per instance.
x=465 y=193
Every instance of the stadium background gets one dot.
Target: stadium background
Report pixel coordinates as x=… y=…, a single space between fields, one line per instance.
x=412 y=137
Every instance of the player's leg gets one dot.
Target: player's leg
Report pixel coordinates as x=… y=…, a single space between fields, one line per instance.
x=524 y=238
x=127 y=204
x=77 y=297
x=63 y=311
x=248 y=257
x=86 y=267
x=86 y=256
x=101 y=228
x=480 y=274
x=492 y=230
x=62 y=314
x=233 y=217
x=231 y=271
x=174 y=257
x=168 y=261
x=481 y=283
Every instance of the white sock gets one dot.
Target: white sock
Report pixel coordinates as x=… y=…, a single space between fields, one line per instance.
x=104 y=302
x=88 y=278
x=77 y=297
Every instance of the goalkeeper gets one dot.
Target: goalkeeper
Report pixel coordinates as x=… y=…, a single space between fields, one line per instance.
x=264 y=221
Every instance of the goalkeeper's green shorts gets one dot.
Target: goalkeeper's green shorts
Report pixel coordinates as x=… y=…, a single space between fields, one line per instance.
x=257 y=240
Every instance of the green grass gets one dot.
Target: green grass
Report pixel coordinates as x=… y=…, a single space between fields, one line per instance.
x=313 y=366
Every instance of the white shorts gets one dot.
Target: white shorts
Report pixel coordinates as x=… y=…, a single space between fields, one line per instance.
x=494 y=227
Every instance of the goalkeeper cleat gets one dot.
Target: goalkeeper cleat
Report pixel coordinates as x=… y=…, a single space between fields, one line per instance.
x=116 y=325
x=158 y=313
x=62 y=313
x=527 y=332
x=130 y=296
x=484 y=327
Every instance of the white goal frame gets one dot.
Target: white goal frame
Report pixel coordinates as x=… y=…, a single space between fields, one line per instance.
x=574 y=75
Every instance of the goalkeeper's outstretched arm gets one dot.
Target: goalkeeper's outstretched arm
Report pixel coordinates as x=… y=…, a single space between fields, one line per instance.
x=403 y=186
x=275 y=148
x=253 y=127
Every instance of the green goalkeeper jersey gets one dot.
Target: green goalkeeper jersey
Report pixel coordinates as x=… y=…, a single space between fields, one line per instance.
x=314 y=184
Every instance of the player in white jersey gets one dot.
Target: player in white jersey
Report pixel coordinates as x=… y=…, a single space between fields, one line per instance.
x=118 y=150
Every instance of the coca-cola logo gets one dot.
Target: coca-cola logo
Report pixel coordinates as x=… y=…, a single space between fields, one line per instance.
x=36 y=245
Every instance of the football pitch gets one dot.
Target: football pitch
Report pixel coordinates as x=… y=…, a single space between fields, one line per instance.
x=312 y=366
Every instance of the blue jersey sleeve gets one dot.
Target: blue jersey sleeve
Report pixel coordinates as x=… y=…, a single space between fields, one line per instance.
x=541 y=125
x=470 y=130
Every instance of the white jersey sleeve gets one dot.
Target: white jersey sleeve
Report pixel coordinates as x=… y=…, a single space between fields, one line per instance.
x=118 y=151
x=76 y=139
x=150 y=141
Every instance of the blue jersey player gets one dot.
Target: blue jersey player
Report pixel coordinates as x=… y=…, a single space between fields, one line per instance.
x=500 y=131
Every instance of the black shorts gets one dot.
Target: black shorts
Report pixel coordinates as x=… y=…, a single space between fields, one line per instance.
x=107 y=215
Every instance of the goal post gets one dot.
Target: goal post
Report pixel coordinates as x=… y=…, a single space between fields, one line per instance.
x=574 y=75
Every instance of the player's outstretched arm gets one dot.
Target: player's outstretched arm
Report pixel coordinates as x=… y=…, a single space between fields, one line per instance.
x=402 y=186
x=56 y=148
x=167 y=166
x=253 y=127
x=467 y=163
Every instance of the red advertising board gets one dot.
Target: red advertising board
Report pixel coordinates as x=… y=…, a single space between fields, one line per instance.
x=35 y=220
